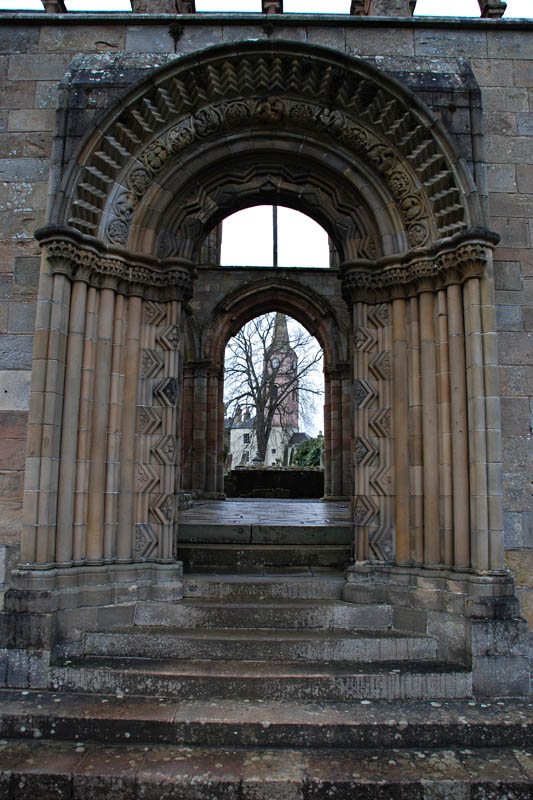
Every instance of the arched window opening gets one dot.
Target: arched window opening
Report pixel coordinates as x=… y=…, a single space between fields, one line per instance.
x=273 y=236
x=273 y=394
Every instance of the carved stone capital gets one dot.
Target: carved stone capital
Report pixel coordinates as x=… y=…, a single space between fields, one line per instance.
x=415 y=272
x=129 y=274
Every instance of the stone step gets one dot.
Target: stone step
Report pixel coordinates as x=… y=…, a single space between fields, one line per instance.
x=189 y=680
x=243 y=533
x=127 y=720
x=239 y=557
x=303 y=614
x=261 y=645
x=47 y=769
x=287 y=585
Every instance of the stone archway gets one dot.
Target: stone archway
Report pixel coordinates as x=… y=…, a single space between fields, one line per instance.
x=331 y=136
x=203 y=415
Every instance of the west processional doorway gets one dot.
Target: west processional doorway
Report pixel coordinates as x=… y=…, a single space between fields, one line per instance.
x=131 y=325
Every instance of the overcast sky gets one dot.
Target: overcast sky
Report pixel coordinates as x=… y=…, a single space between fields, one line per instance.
x=461 y=8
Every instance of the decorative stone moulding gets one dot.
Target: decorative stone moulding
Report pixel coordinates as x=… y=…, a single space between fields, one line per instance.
x=465 y=256
x=215 y=120
x=127 y=273
x=301 y=92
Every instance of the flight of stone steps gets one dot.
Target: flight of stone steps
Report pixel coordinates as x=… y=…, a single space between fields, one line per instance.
x=259 y=686
x=276 y=637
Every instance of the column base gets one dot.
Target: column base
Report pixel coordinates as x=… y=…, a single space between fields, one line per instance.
x=475 y=617
x=47 y=608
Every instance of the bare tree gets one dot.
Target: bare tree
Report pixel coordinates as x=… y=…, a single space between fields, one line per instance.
x=263 y=373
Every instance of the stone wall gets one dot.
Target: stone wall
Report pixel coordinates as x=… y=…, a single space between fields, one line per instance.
x=441 y=61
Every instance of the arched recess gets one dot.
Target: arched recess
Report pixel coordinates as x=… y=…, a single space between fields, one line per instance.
x=204 y=136
x=203 y=408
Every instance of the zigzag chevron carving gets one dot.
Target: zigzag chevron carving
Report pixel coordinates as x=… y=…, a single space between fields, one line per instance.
x=359 y=112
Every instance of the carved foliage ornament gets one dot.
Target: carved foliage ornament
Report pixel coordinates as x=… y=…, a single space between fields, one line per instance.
x=76 y=261
x=213 y=120
x=466 y=261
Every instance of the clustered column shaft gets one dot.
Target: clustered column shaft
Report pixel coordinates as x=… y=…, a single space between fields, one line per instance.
x=442 y=388
x=103 y=473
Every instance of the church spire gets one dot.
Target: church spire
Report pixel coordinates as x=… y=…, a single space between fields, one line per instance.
x=280 y=340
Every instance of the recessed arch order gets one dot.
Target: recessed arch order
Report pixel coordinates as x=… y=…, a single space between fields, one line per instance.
x=274 y=122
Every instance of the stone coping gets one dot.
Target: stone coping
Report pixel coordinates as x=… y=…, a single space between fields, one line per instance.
x=236 y=18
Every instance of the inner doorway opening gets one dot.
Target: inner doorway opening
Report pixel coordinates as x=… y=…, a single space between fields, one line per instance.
x=274 y=410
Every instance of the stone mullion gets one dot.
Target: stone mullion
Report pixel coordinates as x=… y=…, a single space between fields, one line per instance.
x=476 y=426
x=127 y=451
x=461 y=505
x=416 y=478
x=116 y=393
x=493 y=419
x=32 y=475
x=400 y=410
x=52 y=410
x=430 y=440
x=444 y=417
x=83 y=460
x=327 y=435
x=187 y=428
x=71 y=409
x=97 y=476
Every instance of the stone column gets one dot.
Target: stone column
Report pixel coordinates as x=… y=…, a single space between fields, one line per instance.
x=118 y=359
x=444 y=418
x=95 y=520
x=416 y=479
x=199 y=434
x=212 y=431
x=127 y=461
x=347 y=431
x=336 y=433
x=71 y=407
x=430 y=443
x=220 y=435
x=187 y=427
x=327 y=435
x=476 y=426
x=492 y=418
x=400 y=404
x=461 y=505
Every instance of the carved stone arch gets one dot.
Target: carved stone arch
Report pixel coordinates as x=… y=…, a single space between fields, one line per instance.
x=203 y=416
x=417 y=396
x=351 y=212
x=298 y=90
x=292 y=298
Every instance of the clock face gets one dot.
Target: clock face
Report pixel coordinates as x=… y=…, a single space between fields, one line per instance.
x=275 y=363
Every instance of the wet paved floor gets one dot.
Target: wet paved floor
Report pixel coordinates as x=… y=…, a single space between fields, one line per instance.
x=267 y=512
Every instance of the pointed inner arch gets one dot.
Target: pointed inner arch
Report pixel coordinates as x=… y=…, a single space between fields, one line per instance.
x=273 y=236
x=273 y=390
